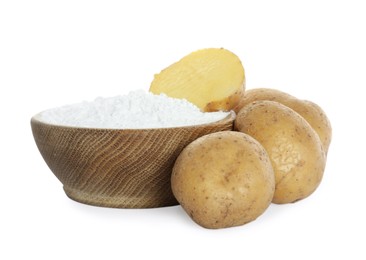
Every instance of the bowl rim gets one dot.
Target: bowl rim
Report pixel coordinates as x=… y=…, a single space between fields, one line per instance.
x=229 y=118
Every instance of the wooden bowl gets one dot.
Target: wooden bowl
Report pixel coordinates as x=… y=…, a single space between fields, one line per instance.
x=128 y=168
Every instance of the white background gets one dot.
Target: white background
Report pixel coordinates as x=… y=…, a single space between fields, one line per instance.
x=54 y=53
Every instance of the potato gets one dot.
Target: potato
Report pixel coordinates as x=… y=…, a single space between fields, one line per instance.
x=312 y=113
x=213 y=79
x=316 y=117
x=223 y=179
x=257 y=94
x=292 y=144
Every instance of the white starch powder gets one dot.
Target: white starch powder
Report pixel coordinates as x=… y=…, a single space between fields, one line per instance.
x=136 y=110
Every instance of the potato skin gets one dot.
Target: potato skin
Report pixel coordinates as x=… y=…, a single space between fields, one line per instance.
x=223 y=179
x=258 y=94
x=293 y=146
x=317 y=118
x=310 y=111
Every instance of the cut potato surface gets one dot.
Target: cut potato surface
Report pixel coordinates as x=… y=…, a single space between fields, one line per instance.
x=213 y=79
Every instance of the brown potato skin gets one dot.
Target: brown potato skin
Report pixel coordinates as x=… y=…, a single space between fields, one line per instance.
x=292 y=144
x=223 y=179
x=317 y=118
x=258 y=94
x=312 y=113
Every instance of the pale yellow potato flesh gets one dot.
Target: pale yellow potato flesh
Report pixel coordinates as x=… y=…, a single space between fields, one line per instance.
x=213 y=79
x=294 y=147
x=310 y=111
x=223 y=179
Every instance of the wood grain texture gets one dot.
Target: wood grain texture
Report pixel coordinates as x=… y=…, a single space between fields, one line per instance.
x=117 y=168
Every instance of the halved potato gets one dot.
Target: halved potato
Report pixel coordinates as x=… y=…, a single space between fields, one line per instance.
x=213 y=79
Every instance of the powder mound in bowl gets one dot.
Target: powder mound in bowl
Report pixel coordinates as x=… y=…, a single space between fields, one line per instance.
x=136 y=110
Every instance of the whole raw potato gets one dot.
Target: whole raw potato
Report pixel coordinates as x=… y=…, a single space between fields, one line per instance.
x=310 y=111
x=257 y=94
x=292 y=144
x=223 y=179
x=316 y=117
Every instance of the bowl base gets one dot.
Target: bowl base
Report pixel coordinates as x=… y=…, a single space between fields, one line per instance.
x=115 y=202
